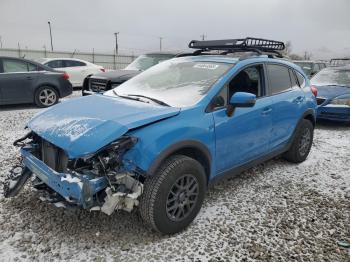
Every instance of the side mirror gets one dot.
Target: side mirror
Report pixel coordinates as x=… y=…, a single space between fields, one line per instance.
x=243 y=99
x=240 y=99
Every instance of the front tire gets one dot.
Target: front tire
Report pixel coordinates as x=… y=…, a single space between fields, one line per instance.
x=302 y=142
x=173 y=197
x=46 y=96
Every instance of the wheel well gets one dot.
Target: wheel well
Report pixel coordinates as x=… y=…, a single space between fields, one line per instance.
x=311 y=119
x=50 y=85
x=197 y=155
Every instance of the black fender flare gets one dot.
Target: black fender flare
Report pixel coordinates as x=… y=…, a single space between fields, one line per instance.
x=185 y=144
x=306 y=115
x=309 y=112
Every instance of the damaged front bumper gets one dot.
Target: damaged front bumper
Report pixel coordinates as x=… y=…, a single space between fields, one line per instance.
x=85 y=190
x=76 y=190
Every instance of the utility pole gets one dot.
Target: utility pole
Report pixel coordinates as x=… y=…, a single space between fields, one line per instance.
x=160 y=43
x=19 y=50
x=0 y=41
x=45 y=52
x=203 y=36
x=50 y=35
x=116 y=42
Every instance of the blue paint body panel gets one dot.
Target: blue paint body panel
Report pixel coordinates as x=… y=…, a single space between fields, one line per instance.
x=82 y=126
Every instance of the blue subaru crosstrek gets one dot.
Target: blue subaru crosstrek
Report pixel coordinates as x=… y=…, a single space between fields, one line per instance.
x=158 y=140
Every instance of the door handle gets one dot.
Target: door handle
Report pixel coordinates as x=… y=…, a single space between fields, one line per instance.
x=29 y=78
x=266 y=111
x=298 y=100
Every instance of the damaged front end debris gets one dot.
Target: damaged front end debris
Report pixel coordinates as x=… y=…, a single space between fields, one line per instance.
x=101 y=181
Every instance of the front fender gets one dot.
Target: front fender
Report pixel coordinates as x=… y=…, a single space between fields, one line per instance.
x=158 y=141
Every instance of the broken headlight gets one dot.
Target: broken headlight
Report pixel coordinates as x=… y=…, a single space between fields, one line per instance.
x=108 y=158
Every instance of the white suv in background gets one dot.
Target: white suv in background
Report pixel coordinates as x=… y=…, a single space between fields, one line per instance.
x=77 y=69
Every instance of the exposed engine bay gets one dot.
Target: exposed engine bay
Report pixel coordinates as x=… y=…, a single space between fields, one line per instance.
x=100 y=181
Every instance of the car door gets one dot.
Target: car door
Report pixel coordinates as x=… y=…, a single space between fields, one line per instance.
x=77 y=71
x=16 y=82
x=287 y=103
x=245 y=135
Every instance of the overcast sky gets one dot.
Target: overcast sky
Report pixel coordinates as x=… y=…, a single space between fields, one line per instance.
x=318 y=26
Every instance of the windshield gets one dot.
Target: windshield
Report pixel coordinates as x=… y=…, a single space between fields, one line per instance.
x=174 y=82
x=144 y=62
x=306 y=66
x=332 y=77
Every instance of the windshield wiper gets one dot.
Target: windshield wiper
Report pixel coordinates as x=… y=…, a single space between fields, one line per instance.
x=130 y=97
x=159 y=102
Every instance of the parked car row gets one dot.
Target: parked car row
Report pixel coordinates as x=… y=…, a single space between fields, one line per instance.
x=99 y=83
x=77 y=69
x=311 y=67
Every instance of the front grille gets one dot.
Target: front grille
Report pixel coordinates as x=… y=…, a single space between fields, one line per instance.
x=53 y=156
x=320 y=100
x=98 y=85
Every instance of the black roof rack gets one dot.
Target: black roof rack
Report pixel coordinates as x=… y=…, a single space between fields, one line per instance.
x=257 y=45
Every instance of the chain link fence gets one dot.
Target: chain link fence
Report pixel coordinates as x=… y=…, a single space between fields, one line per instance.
x=108 y=61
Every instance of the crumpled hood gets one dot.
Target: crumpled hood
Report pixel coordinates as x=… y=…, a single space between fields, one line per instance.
x=330 y=92
x=117 y=76
x=82 y=126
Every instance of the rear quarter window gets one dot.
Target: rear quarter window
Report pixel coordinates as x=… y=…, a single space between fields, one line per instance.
x=293 y=78
x=279 y=79
x=301 y=79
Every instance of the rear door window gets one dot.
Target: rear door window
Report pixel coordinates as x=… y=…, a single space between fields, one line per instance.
x=279 y=79
x=55 y=64
x=32 y=67
x=14 y=66
x=73 y=63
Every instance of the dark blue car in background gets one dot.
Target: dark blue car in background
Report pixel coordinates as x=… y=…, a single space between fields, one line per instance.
x=158 y=140
x=333 y=98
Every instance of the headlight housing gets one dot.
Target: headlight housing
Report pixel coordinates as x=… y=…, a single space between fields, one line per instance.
x=341 y=101
x=108 y=158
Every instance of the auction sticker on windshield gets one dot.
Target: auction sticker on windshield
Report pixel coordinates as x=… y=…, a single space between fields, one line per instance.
x=206 y=66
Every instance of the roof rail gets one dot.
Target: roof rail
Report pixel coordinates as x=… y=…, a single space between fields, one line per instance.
x=257 y=45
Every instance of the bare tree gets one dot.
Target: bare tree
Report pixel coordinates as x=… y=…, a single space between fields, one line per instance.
x=288 y=48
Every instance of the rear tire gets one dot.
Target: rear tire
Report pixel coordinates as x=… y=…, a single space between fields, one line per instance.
x=46 y=96
x=173 y=197
x=302 y=142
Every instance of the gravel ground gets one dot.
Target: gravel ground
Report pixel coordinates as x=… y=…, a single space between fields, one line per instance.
x=276 y=211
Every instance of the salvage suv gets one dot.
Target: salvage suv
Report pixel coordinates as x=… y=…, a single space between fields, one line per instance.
x=157 y=141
